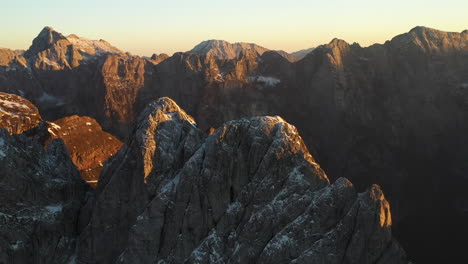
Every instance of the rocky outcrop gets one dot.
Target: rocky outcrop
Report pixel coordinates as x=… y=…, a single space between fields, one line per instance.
x=163 y=139
x=156 y=59
x=89 y=146
x=41 y=194
x=223 y=50
x=392 y=113
x=17 y=114
x=248 y=193
x=386 y=113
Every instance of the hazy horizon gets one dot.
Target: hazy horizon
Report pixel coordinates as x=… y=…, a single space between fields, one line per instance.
x=146 y=27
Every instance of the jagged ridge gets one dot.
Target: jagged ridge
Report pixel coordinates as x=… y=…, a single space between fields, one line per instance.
x=250 y=192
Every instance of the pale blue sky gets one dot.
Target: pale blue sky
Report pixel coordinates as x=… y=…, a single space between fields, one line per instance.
x=144 y=27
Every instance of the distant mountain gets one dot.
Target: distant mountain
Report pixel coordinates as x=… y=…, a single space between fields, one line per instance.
x=53 y=51
x=393 y=114
x=302 y=53
x=224 y=50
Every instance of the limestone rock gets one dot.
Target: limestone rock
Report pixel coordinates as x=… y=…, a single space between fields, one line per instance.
x=249 y=193
x=17 y=114
x=41 y=194
x=89 y=146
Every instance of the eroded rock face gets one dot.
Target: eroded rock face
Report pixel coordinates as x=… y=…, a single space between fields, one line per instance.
x=17 y=114
x=41 y=193
x=389 y=114
x=89 y=146
x=249 y=193
x=162 y=140
x=392 y=114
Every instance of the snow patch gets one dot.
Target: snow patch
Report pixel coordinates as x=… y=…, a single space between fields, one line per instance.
x=72 y=260
x=233 y=207
x=14 y=105
x=92 y=47
x=266 y=80
x=51 y=100
x=17 y=245
x=54 y=208
x=51 y=132
x=50 y=63
x=3 y=153
x=55 y=125
x=279 y=242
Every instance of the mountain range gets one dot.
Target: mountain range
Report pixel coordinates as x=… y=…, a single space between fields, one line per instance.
x=392 y=114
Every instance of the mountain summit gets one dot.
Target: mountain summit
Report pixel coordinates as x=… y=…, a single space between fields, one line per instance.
x=224 y=50
x=249 y=193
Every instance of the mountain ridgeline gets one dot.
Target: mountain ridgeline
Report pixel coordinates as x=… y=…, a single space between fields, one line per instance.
x=392 y=114
x=248 y=193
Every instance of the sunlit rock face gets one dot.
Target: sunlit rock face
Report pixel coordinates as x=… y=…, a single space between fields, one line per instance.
x=89 y=146
x=17 y=114
x=248 y=193
x=41 y=194
x=392 y=114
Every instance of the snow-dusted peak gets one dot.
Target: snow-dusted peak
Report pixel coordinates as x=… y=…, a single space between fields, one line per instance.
x=92 y=47
x=224 y=50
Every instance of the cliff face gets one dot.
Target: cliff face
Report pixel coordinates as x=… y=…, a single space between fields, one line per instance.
x=250 y=192
x=392 y=114
x=41 y=194
x=88 y=145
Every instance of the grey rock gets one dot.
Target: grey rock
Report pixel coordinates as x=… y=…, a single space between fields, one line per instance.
x=41 y=194
x=249 y=193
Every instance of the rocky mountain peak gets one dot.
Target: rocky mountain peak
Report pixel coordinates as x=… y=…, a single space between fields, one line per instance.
x=248 y=193
x=164 y=109
x=153 y=120
x=224 y=50
x=338 y=43
x=431 y=40
x=156 y=59
x=46 y=38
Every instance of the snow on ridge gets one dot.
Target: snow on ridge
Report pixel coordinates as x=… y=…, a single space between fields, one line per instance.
x=12 y=104
x=93 y=47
